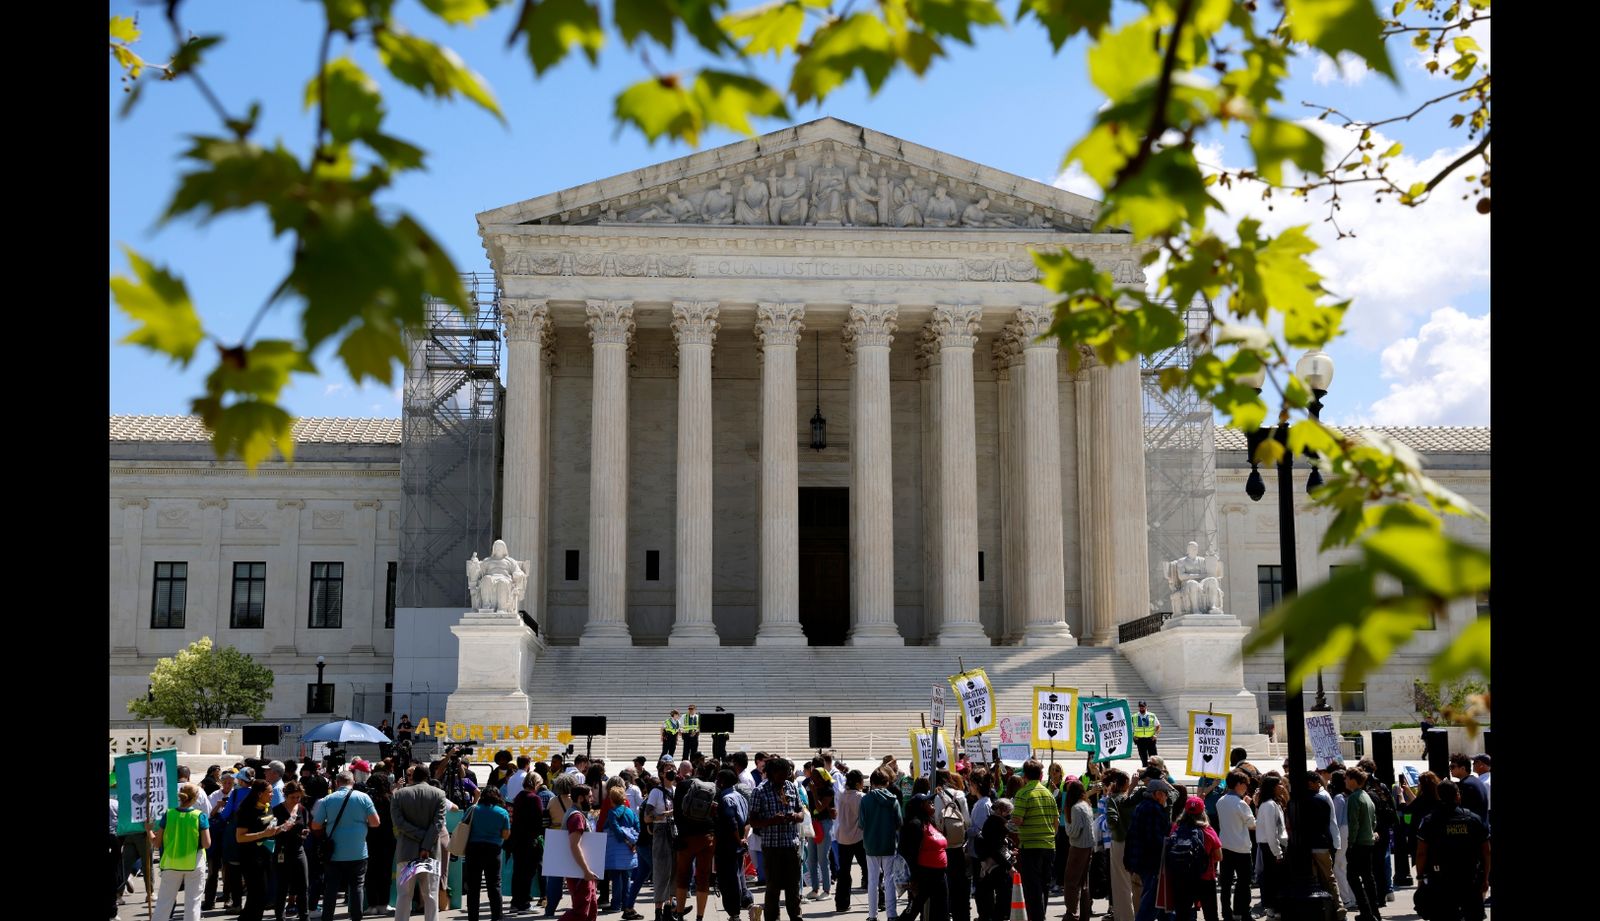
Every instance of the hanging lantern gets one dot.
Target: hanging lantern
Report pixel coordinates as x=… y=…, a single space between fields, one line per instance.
x=819 y=425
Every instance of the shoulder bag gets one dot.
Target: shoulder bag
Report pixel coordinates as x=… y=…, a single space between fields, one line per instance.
x=458 y=838
x=325 y=846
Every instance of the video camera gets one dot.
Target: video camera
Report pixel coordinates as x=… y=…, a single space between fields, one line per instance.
x=456 y=750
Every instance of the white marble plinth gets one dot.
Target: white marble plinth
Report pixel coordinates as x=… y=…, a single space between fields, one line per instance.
x=495 y=650
x=1201 y=620
x=1194 y=663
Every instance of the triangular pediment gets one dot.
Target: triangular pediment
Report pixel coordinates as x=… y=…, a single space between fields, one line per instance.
x=825 y=173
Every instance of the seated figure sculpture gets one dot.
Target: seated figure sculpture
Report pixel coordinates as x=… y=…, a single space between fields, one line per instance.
x=1196 y=583
x=498 y=583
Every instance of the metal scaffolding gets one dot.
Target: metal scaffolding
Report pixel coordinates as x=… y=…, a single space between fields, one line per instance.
x=1179 y=460
x=450 y=447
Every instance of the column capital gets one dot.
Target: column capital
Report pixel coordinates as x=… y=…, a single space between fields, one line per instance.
x=927 y=353
x=610 y=322
x=871 y=325
x=135 y=503
x=1008 y=352
x=296 y=504
x=955 y=326
x=695 y=322
x=525 y=319
x=779 y=323
x=213 y=503
x=1033 y=321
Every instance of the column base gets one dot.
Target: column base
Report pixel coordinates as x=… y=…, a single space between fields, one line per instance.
x=780 y=635
x=1054 y=634
x=961 y=634
x=606 y=635
x=690 y=635
x=875 y=635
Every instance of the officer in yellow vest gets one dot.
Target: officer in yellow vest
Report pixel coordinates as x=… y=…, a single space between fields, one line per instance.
x=1145 y=729
x=691 y=733
x=669 y=734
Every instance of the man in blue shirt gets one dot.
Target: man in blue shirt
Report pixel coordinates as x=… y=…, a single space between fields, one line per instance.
x=344 y=816
x=732 y=817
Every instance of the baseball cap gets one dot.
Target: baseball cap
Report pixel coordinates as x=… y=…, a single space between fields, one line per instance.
x=1161 y=786
x=244 y=773
x=1194 y=805
x=1141 y=703
x=1483 y=758
x=666 y=759
x=361 y=764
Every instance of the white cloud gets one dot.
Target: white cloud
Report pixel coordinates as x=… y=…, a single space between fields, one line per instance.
x=1349 y=70
x=1439 y=376
x=334 y=389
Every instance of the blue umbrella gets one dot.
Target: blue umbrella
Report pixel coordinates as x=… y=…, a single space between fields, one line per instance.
x=345 y=731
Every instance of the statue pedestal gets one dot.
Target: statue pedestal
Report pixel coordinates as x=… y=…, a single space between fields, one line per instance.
x=1193 y=663
x=496 y=651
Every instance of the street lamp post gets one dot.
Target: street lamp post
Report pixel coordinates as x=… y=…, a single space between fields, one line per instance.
x=1316 y=369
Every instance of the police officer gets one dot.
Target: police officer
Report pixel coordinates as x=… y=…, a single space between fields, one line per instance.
x=670 y=727
x=691 y=733
x=1145 y=729
x=719 y=743
x=1453 y=859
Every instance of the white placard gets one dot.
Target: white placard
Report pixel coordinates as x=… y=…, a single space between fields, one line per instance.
x=1209 y=737
x=976 y=697
x=977 y=749
x=1324 y=736
x=1052 y=717
x=558 y=860
x=1015 y=732
x=936 y=707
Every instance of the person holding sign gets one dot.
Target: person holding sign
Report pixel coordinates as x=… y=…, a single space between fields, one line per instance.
x=577 y=823
x=1146 y=726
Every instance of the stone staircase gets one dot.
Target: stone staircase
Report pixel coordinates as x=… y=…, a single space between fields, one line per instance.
x=874 y=695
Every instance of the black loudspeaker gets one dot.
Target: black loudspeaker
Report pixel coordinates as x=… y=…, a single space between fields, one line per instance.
x=584 y=726
x=1383 y=753
x=262 y=735
x=716 y=722
x=1437 y=744
x=821 y=732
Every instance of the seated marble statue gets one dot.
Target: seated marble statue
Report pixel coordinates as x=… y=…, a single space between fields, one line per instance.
x=1196 y=583
x=498 y=583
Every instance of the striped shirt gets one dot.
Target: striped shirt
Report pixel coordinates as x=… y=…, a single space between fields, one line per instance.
x=1102 y=827
x=1037 y=816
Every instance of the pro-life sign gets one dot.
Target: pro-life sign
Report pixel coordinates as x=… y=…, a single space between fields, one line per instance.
x=1210 y=740
x=977 y=700
x=1053 y=715
x=1112 y=730
x=936 y=707
x=1323 y=734
x=1086 y=736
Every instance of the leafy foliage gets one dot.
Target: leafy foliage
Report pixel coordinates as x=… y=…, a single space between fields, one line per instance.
x=1171 y=71
x=203 y=687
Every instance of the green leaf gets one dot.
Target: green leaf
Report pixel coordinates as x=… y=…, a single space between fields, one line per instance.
x=836 y=51
x=1296 y=393
x=261 y=371
x=774 y=27
x=397 y=154
x=250 y=429
x=1337 y=621
x=432 y=68
x=1341 y=25
x=1430 y=560
x=1468 y=652
x=1269 y=452
x=159 y=302
x=954 y=17
x=1465 y=43
x=1167 y=191
x=460 y=11
x=729 y=99
x=342 y=14
x=236 y=175
x=1245 y=408
x=1312 y=435
x=1254 y=338
x=1066 y=18
x=1125 y=60
x=372 y=349
x=354 y=105
x=1103 y=152
x=1393 y=151
x=553 y=27
x=188 y=56
x=124 y=29
x=1274 y=140
x=659 y=107
x=1064 y=273
x=1261 y=78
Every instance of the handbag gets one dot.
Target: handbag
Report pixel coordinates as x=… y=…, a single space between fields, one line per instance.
x=325 y=846
x=458 y=838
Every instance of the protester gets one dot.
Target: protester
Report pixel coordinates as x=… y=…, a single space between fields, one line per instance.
x=491 y=826
x=1321 y=835
x=417 y=811
x=694 y=803
x=292 y=877
x=1147 y=831
x=1080 y=850
x=582 y=889
x=774 y=812
x=526 y=843
x=1474 y=795
x=881 y=818
x=210 y=782
x=954 y=820
x=995 y=860
x=344 y=817
x=1361 y=821
x=821 y=801
x=622 y=850
x=923 y=847
x=1272 y=839
x=1193 y=851
x=658 y=815
x=185 y=835
x=1386 y=823
x=1453 y=863
x=1037 y=820
x=732 y=818
x=254 y=830
x=850 y=837
x=1235 y=822
x=380 y=846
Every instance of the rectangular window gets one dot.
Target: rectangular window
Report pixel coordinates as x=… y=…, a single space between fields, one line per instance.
x=249 y=596
x=388 y=699
x=652 y=565
x=1277 y=696
x=1269 y=587
x=319 y=698
x=327 y=597
x=170 y=597
x=572 y=566
x=1353 y=700
x=388 y=596
x=980 y=565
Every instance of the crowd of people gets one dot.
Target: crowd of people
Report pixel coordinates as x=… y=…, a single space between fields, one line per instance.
x=945 y=847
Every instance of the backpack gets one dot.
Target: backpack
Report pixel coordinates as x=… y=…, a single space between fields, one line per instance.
x=952 y=824
x=1385 y=816
x=700 y=802
x=1186 y=852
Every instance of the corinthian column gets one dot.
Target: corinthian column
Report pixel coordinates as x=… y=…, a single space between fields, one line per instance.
x=955 y=330
x=694 y=325
x=1009 y=375
x=1118 y=400
x=610 y=331
x=1041 y=477
x=528 y=329
x=778 y=332
x=868 y=331
x=1098 y=512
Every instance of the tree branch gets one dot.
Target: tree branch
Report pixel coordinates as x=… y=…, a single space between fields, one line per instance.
x=1482 y=145
x=1158 y=119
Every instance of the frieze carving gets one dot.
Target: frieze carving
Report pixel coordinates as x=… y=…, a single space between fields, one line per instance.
x=250 y=520
x=172 y=518
x=695 y=322
x=135 y=503
x=816 y=187
x=296 y=504
x=327 y=519
x=779 y=323
x=1007 y=349
x=610 y=322
x=871 y=325
x=213 y=503
x=373 y=504
x=955 y=326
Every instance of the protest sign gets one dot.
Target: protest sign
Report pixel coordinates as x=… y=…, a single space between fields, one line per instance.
x=1210 y=739
x=1085 y=740
x=977 y=749
x=558 y=853
x=1112 y=730
x=1014 y=753
x=976 y=696
x=131 y=805
x=1053 y=715
x=930 y=751
x=936 y=707
x=1324 y=737
x=1015 y=732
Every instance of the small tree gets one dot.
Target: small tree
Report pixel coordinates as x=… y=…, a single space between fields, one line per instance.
x=1458 y=703
x=202 y=687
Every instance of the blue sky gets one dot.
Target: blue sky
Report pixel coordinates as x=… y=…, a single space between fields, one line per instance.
x=1417 y=352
